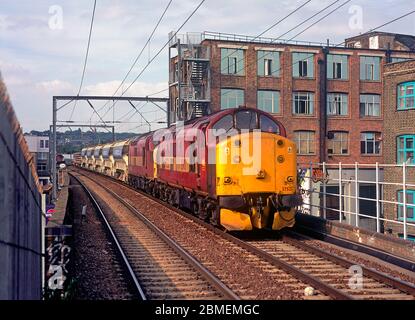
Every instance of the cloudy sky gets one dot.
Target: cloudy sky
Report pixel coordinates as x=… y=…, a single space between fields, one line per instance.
x=42 y=55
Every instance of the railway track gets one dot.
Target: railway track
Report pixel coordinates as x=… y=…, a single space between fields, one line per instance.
x=328 y=274
x=355 y=280
x=158 y=267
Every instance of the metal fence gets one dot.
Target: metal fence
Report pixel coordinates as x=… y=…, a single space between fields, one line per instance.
x=192 y=38
x=370 y=196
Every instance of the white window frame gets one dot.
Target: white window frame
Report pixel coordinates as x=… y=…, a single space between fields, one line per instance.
x=310 y=142
x=374 y=141
x=301 y=65
x=309 y=103
x=273 y=106
x=336 y=103
x=343 y=143
x=268 y=67
x=232 y=64
x=370 y=105
x=337 y=66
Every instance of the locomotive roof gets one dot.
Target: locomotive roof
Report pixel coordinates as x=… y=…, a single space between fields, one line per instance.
x=194 y=123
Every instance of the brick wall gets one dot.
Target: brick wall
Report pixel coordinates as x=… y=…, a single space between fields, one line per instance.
x=286 y=84
x=396 y=123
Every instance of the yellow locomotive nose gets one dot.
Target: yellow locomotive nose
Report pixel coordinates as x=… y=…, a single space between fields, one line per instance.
x=267 y=171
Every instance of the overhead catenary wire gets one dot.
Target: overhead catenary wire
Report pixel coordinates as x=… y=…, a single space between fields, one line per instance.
x=140 y=53
x=367 y=32
x=273 y=26
x=156 y=55
x=162 y=48
x=298 y=25
x=86 y=58
x=321 y=19
x=344 y=42
x=306 y=20
x=158 y=92
x=156 y=121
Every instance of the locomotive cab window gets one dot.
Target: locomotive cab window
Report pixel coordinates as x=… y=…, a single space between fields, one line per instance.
x=246 y=120
x=268 y=125
x=226 y=123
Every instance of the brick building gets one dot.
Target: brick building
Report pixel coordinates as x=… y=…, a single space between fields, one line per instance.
x=39 y=148
x=382 y=40
x=329 y=98
x=399 y=133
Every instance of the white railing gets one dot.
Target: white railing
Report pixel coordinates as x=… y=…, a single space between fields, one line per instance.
x=209 y=35
x=346 y=202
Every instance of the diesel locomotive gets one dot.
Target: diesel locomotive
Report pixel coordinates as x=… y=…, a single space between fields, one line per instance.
x=235 y=168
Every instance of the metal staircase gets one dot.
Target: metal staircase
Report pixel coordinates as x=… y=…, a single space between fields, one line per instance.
x=194 y=86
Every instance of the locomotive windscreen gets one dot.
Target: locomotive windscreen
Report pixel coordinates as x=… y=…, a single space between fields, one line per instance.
x=268 y=125
x=247 y=120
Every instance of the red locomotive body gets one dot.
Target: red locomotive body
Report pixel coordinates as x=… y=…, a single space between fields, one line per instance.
x=192 y=166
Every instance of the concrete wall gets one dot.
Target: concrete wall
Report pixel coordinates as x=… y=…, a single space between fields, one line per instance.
x=20 y=211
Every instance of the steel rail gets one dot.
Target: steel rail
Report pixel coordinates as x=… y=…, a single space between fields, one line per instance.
x=408 y=288
x=355 y=246
x=299 y=274
x=127 y=264
x=210 y=277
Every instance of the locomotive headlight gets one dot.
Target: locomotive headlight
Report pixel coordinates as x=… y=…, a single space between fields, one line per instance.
x=280 y=159
x=227 y=180
x=280 y=143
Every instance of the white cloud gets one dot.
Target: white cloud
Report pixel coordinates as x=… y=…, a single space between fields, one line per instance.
x=37 y=62
x=137 y=89
x=55 y=87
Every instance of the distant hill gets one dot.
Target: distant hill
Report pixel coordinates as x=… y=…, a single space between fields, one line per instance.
x=73 y=141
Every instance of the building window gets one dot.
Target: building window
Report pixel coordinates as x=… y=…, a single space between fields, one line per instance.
x=268 y=67
x=42 y=143
x=337 y=104
x=232 y=65
x=303 y=103
x=370 y=68
x=232 y=98
x=232 y=61
x=46 y=143
x=176 y=72
x=410 y=205
x=338 y=143
x=406 y=96
x=337 y=66
x=268 y=63
x=41 y=167
x=269 y=101
x=369 y=105
x=303 y=65
x=305 y=141
x=406 y=149
x=397 y=59
x=370 y=143
x=42 y=155
x=409 y=237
